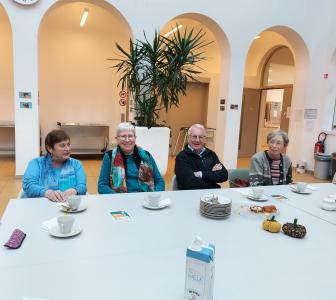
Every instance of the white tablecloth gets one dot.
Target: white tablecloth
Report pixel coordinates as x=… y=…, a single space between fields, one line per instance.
x=145 y=257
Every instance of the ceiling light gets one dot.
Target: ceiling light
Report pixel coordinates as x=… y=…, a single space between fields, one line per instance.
x=84 y=17
x=173 y=30
x=269 y=80
x=270 y=70
x=257 y=37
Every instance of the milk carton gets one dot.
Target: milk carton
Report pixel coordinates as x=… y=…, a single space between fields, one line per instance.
x=200 y=271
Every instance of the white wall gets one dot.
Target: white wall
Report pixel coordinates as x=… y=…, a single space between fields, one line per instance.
x=311 y=35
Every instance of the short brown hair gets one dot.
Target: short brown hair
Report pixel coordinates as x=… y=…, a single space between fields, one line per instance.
x=55 y=136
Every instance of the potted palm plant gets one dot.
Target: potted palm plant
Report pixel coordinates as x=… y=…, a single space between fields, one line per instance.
x=155 y=74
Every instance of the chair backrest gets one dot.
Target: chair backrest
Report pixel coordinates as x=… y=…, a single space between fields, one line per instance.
x=174 y=185
x=20 y=194
x=241 y=174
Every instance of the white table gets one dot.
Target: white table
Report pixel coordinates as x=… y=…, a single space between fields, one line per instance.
x=145 y=258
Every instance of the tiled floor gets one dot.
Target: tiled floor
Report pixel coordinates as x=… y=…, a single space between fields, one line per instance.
x=10 y=186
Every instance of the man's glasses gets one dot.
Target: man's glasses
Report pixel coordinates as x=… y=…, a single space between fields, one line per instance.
x=126 y=137
x=197 y=137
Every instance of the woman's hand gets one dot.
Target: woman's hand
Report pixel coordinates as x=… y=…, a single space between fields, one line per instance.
x=68 y=193
x=56 y=196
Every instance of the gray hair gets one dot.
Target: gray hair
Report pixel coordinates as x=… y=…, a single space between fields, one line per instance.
x=196 y=126
x=280 y=133
x=125 y=126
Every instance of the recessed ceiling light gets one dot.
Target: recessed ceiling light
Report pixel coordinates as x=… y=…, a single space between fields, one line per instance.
x=173 y=30
x=84 y=17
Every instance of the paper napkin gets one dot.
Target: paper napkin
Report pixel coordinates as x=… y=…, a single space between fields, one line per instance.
x=47 y=225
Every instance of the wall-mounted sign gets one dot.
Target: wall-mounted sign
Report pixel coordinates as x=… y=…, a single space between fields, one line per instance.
x=222 y=107
x=26 y=105
x=234 y=106
x=310 y=114
x=122 y=102
x=25 y=100
x=26 y=2
x=122 y=94
x=222 y=101
x=25 y=95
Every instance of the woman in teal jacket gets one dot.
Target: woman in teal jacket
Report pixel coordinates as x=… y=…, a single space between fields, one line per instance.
x=128 y=168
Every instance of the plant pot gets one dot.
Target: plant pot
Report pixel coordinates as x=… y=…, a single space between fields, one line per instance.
x=156 y=141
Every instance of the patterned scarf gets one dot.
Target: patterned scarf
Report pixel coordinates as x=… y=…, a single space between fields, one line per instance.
x=48 y=175
x=118 y=172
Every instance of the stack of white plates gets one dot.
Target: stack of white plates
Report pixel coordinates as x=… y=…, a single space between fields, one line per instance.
x=215 y=206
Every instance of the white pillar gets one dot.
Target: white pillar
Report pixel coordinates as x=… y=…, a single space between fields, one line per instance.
x=25 y=43
x=231 y=122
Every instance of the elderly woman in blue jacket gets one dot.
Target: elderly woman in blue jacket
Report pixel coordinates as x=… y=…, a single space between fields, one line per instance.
x=128 y=168
x=55 y=176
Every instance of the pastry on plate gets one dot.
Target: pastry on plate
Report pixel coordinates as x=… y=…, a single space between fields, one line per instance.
x=256 y=209
x=269 y=208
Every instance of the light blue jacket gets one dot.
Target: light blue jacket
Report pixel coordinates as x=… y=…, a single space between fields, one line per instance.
x=35 y=183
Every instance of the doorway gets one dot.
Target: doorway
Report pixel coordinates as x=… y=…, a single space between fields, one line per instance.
x=193 y=108
x=267 y=108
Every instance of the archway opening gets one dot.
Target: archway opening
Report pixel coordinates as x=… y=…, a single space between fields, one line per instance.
x=273 y=80
x=200 y=104
x=7 y=128
x=77 y=88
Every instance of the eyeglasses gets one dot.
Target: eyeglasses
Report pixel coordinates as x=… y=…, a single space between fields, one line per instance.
x=197 y=137
x=125 y=137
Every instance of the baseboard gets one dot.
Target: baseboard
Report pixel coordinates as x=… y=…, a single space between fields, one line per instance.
x=307 y=171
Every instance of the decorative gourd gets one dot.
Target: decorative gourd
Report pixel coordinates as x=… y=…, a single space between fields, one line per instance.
x=294 y=230
x=271 y=225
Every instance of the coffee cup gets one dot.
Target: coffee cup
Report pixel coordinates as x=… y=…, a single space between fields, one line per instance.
x=74 y=202
x=154 y=199
x=328 y=204
x=257 y=192
x=301 y=187
x=65 y=223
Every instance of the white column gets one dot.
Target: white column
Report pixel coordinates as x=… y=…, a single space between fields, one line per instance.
x=230 y=121
x=25 y=48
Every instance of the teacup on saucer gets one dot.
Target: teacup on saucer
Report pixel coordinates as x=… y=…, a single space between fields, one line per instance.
x=74 y=202
x=328 y=204
x=154 y=199
x=65 y=223
x=301 y=187
x=257 y=192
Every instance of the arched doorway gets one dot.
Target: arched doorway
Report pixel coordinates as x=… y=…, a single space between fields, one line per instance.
x=76 y=85
x=200 y=104
x=276 y=94
x=272 y=78
x=7 y=131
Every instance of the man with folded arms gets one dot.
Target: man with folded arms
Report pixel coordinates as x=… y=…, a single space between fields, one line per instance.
x=197 y=167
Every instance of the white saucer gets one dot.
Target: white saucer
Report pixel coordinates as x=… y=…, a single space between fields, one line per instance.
x=261 y=199
x=162 y=204
x=306 y=192
x=81 y=207
x=54 y=231
x=327 y=209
